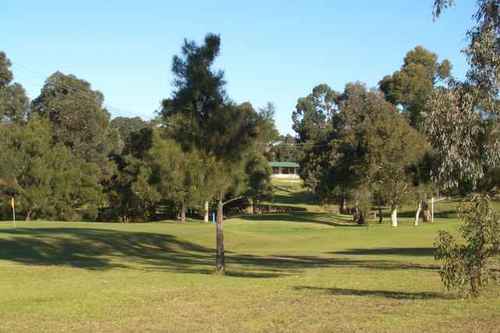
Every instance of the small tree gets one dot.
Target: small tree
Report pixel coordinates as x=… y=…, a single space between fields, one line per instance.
x=466 y=267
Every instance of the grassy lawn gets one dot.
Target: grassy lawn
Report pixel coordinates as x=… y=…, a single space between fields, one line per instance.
x=301 y=272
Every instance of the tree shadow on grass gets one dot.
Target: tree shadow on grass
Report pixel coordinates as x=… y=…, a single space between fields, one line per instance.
x=305 y=217
x=293 y=195
x=400 y=251
x=96 y=248
x=102 y=249
x=411 y=214
x=399 y=295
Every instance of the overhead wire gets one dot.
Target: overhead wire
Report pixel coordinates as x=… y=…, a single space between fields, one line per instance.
x=93 y=96
x=86 y=93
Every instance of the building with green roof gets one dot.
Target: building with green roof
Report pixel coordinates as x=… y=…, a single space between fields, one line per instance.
x=287 y=170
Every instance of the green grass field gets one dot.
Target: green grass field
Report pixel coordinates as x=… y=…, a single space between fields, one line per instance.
x=304 y=272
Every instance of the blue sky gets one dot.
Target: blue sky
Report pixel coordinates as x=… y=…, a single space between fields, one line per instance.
x=273 y=51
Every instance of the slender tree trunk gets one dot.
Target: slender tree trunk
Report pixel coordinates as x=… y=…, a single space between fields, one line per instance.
x=394 y=216
x=426 y=214
x=205 y=216
x=380 y=215
x=360 y=217
x=355 y=213
x=183 y=212
x=252 y=207
x=417 y=215
x=13 y=202
x=28 y=215
x=343 y=205
x=432 y=210
x=475 y=282
x=219 y=261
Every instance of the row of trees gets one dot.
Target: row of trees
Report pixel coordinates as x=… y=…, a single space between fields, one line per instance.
x=368 y=146
x=383 y=147
x=62 y=157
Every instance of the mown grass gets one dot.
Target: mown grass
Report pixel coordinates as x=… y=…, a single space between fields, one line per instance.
x=301 y=272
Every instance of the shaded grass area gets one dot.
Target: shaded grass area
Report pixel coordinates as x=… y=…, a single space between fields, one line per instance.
x=101 y=249
x=377 y=293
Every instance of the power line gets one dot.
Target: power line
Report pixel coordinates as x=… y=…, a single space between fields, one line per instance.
x=76 y=90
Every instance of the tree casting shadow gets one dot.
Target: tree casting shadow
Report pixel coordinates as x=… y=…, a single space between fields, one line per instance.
x=305 y=217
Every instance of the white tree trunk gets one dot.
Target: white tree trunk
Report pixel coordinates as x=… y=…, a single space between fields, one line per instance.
x=432 y=210
x=417 y=216
x=183 y=213
x=394 y=216
x=205 y=216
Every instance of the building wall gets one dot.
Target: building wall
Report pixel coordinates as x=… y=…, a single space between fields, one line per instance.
x=284 y=176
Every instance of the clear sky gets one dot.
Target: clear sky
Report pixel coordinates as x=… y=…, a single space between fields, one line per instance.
x=272 y=50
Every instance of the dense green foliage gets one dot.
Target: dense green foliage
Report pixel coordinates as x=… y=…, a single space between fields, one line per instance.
x=47 y=180
x=201 y=118
x=63 y=158
x=413 y=84
x=13 y=99
x=358 y=146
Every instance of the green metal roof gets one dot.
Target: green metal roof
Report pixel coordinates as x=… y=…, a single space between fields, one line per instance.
x=284 y=164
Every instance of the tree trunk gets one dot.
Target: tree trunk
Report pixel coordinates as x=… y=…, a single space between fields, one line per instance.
x=432 y=210
x=360 y=217
x=380 y=215
x=252 y=207
x=417 y=215
x=28 y=215
x=394 y=216
x=355 y=212
x=343 y=205
x=219 y=261
x=426 y=214
x=183 y=212
x=205 y=216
